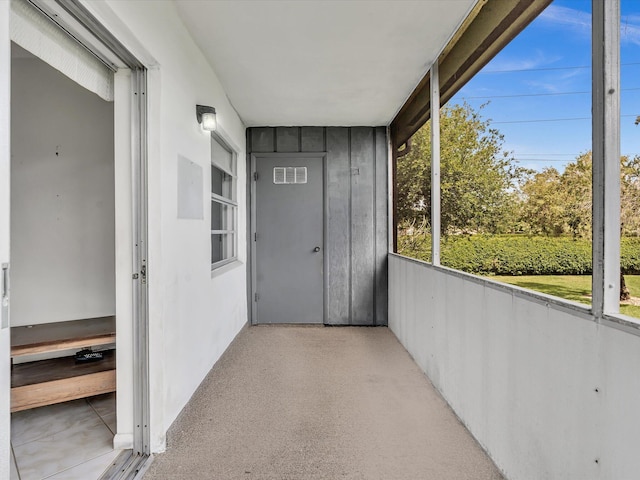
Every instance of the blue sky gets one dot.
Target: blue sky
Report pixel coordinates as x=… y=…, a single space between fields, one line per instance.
x=544 y=74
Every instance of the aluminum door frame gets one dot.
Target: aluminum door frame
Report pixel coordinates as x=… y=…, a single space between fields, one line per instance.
x=255 y=157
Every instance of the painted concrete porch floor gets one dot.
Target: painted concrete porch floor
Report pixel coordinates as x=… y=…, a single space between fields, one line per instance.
x=293 y=402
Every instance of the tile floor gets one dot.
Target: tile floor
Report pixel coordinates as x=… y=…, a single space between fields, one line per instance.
x=67 y=441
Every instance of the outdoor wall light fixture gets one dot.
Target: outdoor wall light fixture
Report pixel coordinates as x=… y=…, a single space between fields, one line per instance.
x=206 y=117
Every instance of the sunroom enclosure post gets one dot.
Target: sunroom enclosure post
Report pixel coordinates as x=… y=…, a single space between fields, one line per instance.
x=435 y=164
x=606 y=156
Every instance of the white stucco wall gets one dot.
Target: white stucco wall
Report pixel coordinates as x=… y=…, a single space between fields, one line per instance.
x=549 y=393
x=62 y=198
x=5 y=79
x=193 y=315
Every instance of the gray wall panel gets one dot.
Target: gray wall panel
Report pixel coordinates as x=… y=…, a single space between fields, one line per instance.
x=362 y=225
x=312 y=139
x=262 y=140
x=382 y=225
x=356 y=209
x=287 y=139
x=338 y=246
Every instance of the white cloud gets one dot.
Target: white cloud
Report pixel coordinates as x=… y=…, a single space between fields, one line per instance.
x=571 y=17
x=630 y=29
x=633 y=18
x=573 y=73
x=561 y=81
x=580 y=22
x=547 y=87
x=537 y=60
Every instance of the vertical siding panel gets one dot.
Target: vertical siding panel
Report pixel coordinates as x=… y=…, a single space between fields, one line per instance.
x=381 y=226
x=357 y=224
x=338 y=227
x=312 y=139
x=287 y=139
x=362 y=221
x=262 y=140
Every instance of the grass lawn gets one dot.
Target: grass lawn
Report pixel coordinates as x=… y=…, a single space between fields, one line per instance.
x=571 y=287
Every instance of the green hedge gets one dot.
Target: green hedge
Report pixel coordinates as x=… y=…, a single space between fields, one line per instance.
x=517 y=255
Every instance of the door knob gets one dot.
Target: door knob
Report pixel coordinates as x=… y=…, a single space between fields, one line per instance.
x=317 y=249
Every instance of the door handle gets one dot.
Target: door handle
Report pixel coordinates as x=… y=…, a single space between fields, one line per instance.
x=317 y=249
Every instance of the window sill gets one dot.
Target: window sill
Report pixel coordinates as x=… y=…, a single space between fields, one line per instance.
x=221 y=268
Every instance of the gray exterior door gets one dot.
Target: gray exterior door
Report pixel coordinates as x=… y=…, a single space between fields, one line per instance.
x=289 y=242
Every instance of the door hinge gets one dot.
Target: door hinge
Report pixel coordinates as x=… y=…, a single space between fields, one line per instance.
x=255 y=297
x=255 y=176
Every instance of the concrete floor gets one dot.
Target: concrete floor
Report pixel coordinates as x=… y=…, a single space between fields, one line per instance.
x=289 y=402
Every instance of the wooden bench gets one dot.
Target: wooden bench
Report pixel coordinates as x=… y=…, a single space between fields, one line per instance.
x=45 y=382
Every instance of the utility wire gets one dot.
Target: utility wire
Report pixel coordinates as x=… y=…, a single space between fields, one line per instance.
x=541 y=120
x=537 y=160
x=544 y=69
x=525 y=157
x=568 y=154
x=539 y=94
x=573 y=155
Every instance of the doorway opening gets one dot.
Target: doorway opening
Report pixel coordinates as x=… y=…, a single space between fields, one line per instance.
x=63 y=272
x=79 y=242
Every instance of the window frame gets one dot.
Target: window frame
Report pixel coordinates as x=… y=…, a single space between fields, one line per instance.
x=230 y=203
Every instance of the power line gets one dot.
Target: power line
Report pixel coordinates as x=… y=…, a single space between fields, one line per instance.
x=543 y=69
x=563 y=154
x=537 y=160
x=542 y=120
x=540 y=94
x=551 y=154
x=525 y=157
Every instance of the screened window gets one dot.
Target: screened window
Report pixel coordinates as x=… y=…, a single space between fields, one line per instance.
x=224 y=207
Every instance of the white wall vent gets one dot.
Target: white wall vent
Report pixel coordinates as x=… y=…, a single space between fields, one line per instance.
x=301 y=175
x=289 y=175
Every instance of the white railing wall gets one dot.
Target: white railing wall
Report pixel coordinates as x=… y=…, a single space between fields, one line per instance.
x=546 y=390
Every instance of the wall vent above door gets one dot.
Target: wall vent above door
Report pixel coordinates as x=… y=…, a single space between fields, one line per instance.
x=289 y=175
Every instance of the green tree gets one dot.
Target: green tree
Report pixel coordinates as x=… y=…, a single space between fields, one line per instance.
x=542 y=204
x=554 y=203
x=477 y=177
x=630 y=196
x=629 y=207
x=575 y=183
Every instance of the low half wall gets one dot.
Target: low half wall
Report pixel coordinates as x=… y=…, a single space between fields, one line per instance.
x=546 y=390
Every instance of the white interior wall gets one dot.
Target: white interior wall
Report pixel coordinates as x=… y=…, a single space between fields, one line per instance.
x=547 y=392
x=62 y=198
x=193 y=315
x=5 y=82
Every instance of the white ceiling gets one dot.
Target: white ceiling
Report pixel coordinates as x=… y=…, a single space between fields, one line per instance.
x=321 y=62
